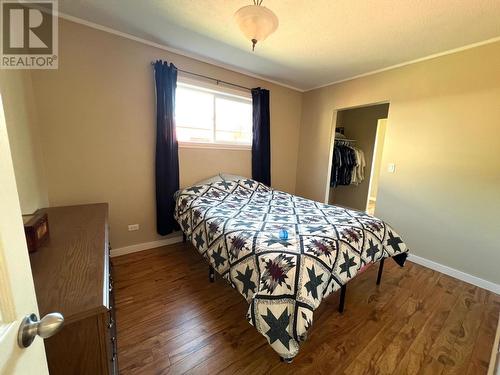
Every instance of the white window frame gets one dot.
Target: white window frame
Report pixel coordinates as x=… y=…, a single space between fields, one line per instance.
x=218 y=92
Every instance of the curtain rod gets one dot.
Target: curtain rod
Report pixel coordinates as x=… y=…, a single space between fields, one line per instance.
x=211 y=78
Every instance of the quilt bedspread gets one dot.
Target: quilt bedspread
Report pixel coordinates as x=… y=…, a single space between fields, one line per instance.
x=281 y=252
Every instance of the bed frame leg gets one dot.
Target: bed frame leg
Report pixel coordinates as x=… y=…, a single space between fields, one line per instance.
x=380 y=270
x=184 y=238
x=211 y=274
x=343 y=289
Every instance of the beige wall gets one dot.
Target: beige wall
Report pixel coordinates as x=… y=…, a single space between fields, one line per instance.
x=443 y=136
x=21 y=118
x=238 y=162
x=359 y=124
x=98 y=120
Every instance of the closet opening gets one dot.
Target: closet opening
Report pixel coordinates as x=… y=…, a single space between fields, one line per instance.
x=358 y=136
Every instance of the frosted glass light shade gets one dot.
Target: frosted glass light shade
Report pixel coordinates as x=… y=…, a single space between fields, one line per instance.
x=256 y=22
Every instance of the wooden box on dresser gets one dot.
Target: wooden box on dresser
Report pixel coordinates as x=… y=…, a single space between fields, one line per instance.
x=72 y=275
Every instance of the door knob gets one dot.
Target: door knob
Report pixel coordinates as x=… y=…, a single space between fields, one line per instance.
x=30 y=327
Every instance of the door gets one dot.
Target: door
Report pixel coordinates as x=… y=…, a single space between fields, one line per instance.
x=17 y=293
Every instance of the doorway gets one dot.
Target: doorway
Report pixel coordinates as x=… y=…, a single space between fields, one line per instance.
x=376 y=165
x=356 y=156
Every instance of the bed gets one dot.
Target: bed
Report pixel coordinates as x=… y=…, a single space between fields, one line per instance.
x=284 y=254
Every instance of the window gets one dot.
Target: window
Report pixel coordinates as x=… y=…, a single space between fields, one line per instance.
x=208 y=117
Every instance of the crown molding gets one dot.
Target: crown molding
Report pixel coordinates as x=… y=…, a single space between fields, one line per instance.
x=257 y=76
x=173 y=50
x=433 y=56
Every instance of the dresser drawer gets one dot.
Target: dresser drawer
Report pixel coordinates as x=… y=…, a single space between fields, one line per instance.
x=77 y=349
x=113 y=350
x=111 y=343
x=111 y=326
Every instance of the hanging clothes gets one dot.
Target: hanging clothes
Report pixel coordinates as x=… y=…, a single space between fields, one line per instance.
x=343 y=164
x=348 y=165
x=354 y=176
x=358 y=174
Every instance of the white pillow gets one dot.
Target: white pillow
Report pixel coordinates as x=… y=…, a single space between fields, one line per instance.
x=217 y=178
x=231 y=177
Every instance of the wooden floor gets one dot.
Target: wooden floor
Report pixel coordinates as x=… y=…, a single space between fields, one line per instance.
x=171 y=320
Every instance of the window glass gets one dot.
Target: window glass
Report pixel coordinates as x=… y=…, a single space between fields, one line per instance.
x=233 y=121
x=206 y=116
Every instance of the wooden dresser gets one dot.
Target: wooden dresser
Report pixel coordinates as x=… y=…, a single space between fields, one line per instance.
x=72 y=275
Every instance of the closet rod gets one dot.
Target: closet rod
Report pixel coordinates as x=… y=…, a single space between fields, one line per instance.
x=210 y=78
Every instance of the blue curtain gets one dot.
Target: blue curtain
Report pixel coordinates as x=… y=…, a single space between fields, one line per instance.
x=167 y=149
x=261 y=142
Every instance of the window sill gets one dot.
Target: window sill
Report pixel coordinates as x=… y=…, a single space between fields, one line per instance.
x=215 y=146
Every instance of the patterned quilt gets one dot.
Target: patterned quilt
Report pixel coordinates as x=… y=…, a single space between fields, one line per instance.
x=283 y=253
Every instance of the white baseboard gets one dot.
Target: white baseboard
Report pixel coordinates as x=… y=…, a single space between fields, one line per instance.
x=474 y=280
x=144 y=246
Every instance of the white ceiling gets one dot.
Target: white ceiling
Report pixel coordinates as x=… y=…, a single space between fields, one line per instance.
x=317 y=41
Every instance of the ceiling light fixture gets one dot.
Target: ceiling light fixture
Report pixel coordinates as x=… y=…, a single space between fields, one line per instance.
x=256 y=22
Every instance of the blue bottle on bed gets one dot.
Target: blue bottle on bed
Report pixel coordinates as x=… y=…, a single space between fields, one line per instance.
x=283 y=234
